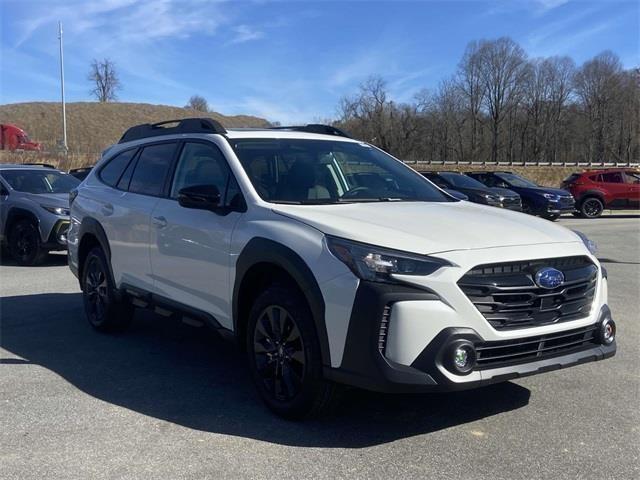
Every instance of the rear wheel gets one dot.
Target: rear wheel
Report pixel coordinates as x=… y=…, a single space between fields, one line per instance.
x=104 y=311
x=591 y=207
x=25 y=245
x=284 y=355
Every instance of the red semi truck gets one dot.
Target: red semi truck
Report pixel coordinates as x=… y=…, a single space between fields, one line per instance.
x=14 y=138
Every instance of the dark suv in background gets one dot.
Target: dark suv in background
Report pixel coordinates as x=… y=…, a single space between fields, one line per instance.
x=546 y=202
x=596 y=190
x=476 y=191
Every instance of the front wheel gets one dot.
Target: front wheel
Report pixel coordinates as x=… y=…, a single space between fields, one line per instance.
x=284 y=355
x=25 y=245
x=591 y=207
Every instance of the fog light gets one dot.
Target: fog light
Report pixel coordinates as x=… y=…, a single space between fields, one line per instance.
x=608 y=331
x=462 y=357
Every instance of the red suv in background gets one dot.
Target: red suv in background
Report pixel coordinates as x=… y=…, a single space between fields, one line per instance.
x=596 y=190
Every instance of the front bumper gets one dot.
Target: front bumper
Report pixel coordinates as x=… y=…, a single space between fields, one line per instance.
x=367 y=361
x=57 y=239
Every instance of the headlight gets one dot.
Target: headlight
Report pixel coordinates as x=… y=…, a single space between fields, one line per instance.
x=551 y=196
x=379 y=264
x=492 y=199
x=590 y=244
x=56 y=210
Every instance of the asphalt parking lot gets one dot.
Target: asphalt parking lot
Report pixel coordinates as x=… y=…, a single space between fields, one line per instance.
x=166 y=400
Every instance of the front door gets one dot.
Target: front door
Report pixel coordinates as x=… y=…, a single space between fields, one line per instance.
x=189 y=247
x=633 y=187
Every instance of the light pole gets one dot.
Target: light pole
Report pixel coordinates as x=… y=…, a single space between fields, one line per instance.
x=64 y=112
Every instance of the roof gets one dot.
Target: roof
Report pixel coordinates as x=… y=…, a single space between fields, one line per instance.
x=19 y=166
x=238 y=133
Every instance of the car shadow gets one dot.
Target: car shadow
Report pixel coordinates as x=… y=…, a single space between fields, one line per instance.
x=170 y=371
x=57 y=259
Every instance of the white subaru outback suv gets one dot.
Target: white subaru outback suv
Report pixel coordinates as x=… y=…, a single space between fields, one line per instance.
x=331 y=263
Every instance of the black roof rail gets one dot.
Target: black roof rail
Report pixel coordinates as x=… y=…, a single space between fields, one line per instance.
x=36 y=164
x=185 y=125
x=316 y=128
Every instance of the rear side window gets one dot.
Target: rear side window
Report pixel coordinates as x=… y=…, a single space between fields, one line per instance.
x=151 y=169
x=572 y=178
x=614 y=177
x=112 y=171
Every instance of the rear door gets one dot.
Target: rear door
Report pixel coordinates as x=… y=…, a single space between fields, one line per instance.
x=190 y=248
x=127 y=214
x=632 y=181
x=613 y=182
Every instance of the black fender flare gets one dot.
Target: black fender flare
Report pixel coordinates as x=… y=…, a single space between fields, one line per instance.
x=91 y=226
x=262 y=250
x=592 y=193
x=20 y=212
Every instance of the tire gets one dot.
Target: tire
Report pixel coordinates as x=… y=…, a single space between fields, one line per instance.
x=25 y=245
x=284 y=355
x=551 y=218
x=102 y=307
x=591 y=207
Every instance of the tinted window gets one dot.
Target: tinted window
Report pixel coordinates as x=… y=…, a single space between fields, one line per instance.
x=112 y=171
x=40 y=181
x=515 y=180
x=615 y=177
x=462 y=181
x=632 y=177
x=200 y=164
x=324 y=171
x=151 y=169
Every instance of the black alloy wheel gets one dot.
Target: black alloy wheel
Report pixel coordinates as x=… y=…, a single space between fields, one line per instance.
x=105 y=310
x=592 y=207
x=279 y=355
x=96 y=291
x=25 y=244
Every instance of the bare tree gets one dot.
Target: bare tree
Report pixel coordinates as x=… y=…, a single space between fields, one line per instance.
x=470 y=84
x=105 y=80
x=198 y=102
x=502 y=68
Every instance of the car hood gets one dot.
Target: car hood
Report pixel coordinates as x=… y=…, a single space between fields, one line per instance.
x=49 y=199
x=541 y=190
x=505 y=192
x=428 y=227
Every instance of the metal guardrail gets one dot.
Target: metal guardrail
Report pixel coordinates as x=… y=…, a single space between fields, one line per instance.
x=526 y=164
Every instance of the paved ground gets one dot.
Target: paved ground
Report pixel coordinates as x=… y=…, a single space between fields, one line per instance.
x=169 y=401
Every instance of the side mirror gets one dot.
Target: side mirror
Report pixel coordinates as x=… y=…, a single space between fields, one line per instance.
x=202 y=197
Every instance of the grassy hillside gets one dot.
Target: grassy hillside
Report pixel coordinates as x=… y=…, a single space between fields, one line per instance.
x=92 y=126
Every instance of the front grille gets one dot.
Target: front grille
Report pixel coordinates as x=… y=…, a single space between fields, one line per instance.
x=508 y=297
x=512 y=203
x=567 y=201
x=521 y=350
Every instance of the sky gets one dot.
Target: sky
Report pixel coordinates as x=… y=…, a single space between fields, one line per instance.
x=285 y=61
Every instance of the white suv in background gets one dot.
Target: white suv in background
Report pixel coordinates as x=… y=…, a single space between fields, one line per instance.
x=331 y=263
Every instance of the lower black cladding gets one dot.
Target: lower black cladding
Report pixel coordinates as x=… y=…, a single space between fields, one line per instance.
x=521 y=350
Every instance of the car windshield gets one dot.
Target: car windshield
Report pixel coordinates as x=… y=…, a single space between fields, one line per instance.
x=40 y=181
x=324 y=172
x=462 y=181
x=516 y=180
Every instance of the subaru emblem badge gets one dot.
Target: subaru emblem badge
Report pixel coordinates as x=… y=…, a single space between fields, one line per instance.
x=549 y=278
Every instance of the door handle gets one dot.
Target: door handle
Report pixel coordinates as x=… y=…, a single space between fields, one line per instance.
x=107 y=209
x=159 y=222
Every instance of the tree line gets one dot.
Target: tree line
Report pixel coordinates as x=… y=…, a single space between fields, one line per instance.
x=502 y=106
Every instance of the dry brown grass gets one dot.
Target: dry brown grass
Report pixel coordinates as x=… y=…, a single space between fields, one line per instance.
x=92 y=126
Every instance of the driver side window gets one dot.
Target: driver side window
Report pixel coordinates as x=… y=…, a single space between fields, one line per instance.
x=200 y=164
